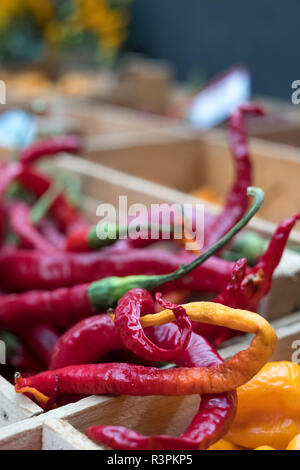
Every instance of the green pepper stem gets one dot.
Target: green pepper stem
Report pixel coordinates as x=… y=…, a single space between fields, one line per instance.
x=184 y=269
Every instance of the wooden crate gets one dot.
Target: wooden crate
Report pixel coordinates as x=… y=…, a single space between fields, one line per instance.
x=63 y=428
x=24 y=426
x=180 y=159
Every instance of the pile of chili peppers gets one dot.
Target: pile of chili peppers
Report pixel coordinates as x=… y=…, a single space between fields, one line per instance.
x=85 y=315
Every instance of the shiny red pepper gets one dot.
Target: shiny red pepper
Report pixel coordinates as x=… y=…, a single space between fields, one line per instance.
x=86 y=342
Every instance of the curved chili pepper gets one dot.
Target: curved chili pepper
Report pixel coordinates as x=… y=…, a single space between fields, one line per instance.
x=19 y=219
x=229 y=297
x=212 y=421
x=93 y=337
x=214 y=416
x=248 y=287
x=236 y=201
x=127 y=315
x=122 y=378
x=51 y=147
x=258 y=280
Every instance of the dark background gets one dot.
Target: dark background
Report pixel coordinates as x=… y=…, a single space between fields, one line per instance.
x=204 y=37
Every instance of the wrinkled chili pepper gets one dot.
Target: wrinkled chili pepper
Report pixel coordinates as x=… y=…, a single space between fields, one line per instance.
x=127 y=315
x=51 y=147
x=258 y=280
x=236 y=201
x=58 y=305
x=249 y=286
x=19 y=219
x=215 y=413
x=229 y=297
x=122 y=378
x=93 y=337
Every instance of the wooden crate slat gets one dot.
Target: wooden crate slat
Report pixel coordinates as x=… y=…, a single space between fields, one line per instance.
x=27 y=434
x=14 y=407
x=58 y=434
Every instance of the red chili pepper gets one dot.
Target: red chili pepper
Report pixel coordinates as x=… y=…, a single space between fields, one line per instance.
x=51 y=147
x=237 y=201
x=24 y=270
x=228 y=296
x=247 y=288
x=258 y=280
x=127 y=315
x=62 y=307
x=86 y=342
x=19 y=219
x=213 y=420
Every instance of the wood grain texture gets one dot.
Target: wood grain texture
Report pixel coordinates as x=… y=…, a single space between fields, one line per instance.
x=60 y=435
x=15 y=407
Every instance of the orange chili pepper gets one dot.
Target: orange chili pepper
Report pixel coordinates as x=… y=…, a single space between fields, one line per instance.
x=237 y=370
x=269 y=408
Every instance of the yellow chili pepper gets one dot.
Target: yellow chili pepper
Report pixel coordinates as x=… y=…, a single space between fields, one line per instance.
x=222 y=444
x=237 y=370
x=269 y=408
x=264 y=448
x=294 y=444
